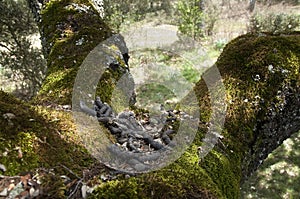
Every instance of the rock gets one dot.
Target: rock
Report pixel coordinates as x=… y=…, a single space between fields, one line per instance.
x=84 y=191
x=18 y=189
x=2 y=168
x=34 y=192
x=11 y=186
x=9 y=116
x=140 y=167
x=4 y=193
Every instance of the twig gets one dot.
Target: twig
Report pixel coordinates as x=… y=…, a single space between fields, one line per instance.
x=70 y=171
x=75 y=190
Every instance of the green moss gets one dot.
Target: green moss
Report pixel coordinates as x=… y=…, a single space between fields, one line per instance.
x=223 y=172
x=254 y=69
x=213 y=178
x=107 y=87
x=63 y=27
x=53 y=186
x=38 y=137
x=217 y=176
x=24 y=118
x=18 y=154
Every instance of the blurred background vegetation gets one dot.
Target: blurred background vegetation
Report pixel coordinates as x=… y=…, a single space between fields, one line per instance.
x=212 y=23
x=22 y=65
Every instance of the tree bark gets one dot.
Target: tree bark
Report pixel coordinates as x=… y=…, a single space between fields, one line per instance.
x=261 y=76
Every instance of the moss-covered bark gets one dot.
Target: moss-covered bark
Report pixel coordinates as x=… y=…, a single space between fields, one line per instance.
x=70 y=30
x=261 y=76
x=34 y=136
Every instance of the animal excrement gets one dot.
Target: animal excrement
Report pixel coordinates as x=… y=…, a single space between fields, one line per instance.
x=135 y=133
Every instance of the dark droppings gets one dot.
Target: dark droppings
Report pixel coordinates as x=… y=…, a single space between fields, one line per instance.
x=132 y=134
x=140 y=141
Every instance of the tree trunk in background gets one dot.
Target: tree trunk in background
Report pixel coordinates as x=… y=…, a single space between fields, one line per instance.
x=252 y=5
x=201 y=6
x=261 y=76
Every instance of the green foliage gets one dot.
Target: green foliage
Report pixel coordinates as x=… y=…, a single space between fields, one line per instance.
x=127 y=11
x=23 y=62
x=191 y=18
x=190 y=73
x=114 y=16
x=220 y=44
x=274 y=23
x=154 y=93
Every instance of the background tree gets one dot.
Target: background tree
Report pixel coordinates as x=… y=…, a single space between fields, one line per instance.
x=191 y=18
x=130 y=11
x=24 y=63
x=252 y=5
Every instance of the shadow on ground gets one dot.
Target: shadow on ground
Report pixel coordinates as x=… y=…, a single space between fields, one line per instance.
x=279 y=175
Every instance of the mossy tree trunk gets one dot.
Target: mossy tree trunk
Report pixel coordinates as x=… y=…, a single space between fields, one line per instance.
x=261 y=77
x=70 y=30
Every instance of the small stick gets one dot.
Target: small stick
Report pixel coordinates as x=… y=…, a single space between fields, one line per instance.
x=70 y=171
x=75 y=190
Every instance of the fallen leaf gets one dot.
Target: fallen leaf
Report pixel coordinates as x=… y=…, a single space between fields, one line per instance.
x=11 y=187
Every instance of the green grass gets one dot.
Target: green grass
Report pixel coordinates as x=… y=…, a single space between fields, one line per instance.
x=154 y=93
x=163 y=67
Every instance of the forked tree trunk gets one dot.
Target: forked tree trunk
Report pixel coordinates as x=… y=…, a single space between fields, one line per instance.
x=261 y=78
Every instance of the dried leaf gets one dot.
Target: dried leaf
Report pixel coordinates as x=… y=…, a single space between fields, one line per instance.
x=11 y=187
x=20 y=153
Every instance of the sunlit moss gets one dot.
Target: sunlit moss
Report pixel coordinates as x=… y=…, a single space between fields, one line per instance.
x=255 y=69
x=19 y=153
x=278 y=174
x=63 y=26
x=38 y=137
